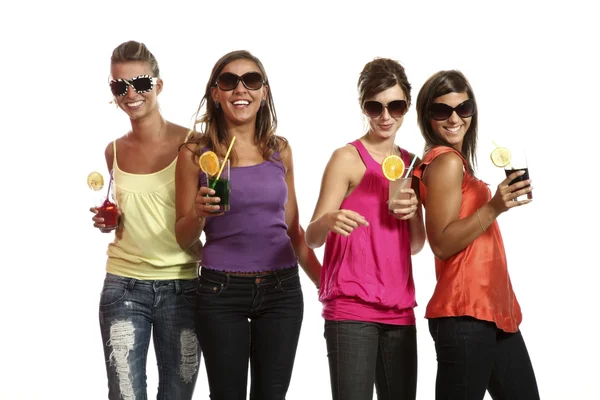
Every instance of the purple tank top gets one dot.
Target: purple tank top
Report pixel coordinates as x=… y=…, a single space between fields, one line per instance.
x=252 y=235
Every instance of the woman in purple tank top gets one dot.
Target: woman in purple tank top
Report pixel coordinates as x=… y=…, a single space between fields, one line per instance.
x=367 y=288
x=249 y=299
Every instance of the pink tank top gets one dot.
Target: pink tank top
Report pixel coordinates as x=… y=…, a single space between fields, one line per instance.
x=367 y=276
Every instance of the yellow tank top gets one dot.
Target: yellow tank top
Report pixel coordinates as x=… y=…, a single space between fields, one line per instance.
x=148 y=249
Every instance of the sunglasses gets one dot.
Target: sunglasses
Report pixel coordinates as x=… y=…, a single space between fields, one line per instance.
x=396 y=108
x=251 y=80
x=141 y=84
x=441 y=111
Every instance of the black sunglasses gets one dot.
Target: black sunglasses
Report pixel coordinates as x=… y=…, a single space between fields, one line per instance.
x=228 y=81
x=141 y=84
x=396 y=108
x=441 y=111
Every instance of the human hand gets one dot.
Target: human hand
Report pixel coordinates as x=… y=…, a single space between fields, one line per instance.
x=99 y=222
x=204 y=205
x=344 y=222
x=405 y=208
x=506 y=195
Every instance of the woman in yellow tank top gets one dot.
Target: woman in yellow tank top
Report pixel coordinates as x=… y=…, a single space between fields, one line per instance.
x=150 y=284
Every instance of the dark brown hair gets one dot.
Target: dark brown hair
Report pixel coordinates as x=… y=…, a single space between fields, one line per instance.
x=440 y=84
x=379 y=75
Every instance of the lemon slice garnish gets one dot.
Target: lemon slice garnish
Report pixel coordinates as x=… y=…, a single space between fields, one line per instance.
x=501 y=157
x=95 y=181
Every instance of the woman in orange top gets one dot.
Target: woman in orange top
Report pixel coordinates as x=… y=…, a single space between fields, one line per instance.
x=473 y=314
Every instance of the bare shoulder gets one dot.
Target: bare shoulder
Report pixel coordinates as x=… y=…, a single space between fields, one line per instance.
x=448 y=160
x=346 y=155
x=178 y=131
x=285 y=149
x=188 y=152
x=109 y=155
x=109 y=151
x=447 y=167
x=285 y=152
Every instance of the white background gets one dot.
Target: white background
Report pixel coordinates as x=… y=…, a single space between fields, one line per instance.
x=534 y=71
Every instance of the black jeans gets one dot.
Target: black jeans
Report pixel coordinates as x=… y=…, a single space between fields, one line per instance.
x=249 y=317
x=474 y=356
x=362 y=354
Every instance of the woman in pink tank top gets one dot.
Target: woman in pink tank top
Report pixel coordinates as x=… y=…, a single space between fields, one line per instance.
x=367 y=288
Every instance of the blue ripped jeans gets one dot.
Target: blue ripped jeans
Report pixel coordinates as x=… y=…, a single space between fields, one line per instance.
x=131 y=311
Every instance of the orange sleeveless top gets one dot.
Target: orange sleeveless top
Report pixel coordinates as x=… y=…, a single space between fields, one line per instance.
x=475 y=281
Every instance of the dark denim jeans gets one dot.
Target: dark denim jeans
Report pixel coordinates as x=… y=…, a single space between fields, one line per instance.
x=131 y=311
x=363 y=354
x=474 y=356
x=249 y=317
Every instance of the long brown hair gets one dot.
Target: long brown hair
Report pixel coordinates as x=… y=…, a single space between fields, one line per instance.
x=213 y=133
x=440 y=84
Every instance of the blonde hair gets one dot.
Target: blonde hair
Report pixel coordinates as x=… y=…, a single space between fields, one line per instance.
x=133 y=51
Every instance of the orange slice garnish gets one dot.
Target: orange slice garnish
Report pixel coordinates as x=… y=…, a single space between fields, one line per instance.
x=209 y=163
x=393 y=167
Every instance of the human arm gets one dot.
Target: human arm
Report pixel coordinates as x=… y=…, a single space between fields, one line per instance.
x=99 y=221
x=306 y=256
x=191 y=206
x=334 y=187
x=448 y=234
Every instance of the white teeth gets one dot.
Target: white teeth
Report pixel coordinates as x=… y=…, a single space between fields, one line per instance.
x=135 y=104
x=241 y=103
x=454 y=129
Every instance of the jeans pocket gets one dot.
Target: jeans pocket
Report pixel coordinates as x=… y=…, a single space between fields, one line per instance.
x=206 y=286
x=188 y=291
x=112 y=294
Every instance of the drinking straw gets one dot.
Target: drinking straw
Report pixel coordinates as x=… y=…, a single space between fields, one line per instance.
x=223 y=163
x=110 y=179
x=412 y=163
